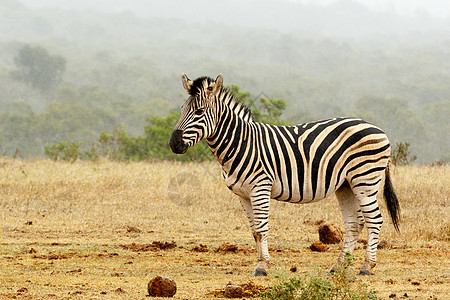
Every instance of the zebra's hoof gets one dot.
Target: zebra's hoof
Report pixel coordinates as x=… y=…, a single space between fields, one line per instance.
x=364 y=271
x=260 y=272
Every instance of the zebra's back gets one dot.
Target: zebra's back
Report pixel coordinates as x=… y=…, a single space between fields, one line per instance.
x=308 y=162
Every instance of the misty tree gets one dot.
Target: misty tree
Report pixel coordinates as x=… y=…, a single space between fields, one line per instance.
x=264 y=109
x=37 y=67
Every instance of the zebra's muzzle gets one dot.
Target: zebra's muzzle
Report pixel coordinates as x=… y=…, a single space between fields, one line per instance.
x=176 y=142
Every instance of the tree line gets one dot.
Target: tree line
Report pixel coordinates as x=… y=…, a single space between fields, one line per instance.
x=152 y=144
x=127 y=106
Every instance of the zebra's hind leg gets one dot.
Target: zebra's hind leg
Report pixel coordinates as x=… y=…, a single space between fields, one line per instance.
x=367 y=198
x=353 y=221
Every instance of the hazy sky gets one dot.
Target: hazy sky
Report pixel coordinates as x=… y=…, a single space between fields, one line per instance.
x=439 y=8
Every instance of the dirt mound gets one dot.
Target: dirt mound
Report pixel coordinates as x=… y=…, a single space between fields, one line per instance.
x=200 y=248
x=133 y=229
x=53 y=256
x=362 y=241
x=227 y=248
x=383 y=244
x=154 y=246
x=244 y=290
x=330 y=234
x=162 y=286
x=318 y=246
x=233 y=291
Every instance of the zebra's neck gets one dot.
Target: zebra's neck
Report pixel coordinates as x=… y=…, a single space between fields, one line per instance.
x=226 y=99
x=233 y=124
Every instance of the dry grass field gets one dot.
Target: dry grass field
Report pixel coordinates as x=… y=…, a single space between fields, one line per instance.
x=82 y=231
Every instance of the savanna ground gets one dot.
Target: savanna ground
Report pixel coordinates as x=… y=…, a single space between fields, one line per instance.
x=67 y=232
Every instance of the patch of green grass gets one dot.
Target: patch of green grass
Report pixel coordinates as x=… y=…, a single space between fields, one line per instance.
x=339 y=285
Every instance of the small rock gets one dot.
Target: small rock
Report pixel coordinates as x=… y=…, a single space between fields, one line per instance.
x=200 y=248
x=329 y=234
x=28 y=223
x=362 y=241
x=133 y=229
x=318 y=246
x=32 y=251
x=75 y=271
x=76 y=293
x=293 y=269
x=233 y=291
x=384 y=245
x=154 y=246
x=393 y=295
x=22 y=290
x=162 y=286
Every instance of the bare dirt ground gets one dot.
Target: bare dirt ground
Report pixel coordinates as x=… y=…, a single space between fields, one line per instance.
x=103 y=230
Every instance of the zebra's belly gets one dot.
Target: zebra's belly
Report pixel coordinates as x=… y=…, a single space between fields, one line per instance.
x=293 y=193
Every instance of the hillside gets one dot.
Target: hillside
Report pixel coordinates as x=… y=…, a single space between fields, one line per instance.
x=122 y=67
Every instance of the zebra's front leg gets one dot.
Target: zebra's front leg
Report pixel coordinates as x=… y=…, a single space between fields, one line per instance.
x=263 y=254
x=260 y=201
x=260 y=239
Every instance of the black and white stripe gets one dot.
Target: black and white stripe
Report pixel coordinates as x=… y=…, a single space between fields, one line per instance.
x=300 y=164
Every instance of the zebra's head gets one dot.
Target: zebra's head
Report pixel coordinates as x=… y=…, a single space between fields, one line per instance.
x=197 y=119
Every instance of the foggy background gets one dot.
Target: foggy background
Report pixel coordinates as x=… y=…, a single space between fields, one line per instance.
x=385 y=61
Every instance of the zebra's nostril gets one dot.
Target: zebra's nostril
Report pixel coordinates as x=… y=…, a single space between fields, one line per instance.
x=177 y=135
x=176 y=142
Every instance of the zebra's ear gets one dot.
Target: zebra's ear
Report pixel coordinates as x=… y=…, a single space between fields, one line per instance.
x=218 y=83
x=187 y=83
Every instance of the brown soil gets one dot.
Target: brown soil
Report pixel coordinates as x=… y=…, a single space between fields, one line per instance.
x=249 y=289
x=154 y=246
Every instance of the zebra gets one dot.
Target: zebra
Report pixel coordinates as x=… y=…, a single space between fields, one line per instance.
x=299 y=164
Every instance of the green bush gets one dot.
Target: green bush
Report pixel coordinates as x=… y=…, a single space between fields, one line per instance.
x=119 y=145
x=68 y=151
x=401 y=155
x=339 y=285
x=264 y=110
x=153 y=144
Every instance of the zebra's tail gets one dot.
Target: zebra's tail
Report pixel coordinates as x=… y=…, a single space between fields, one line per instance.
x=391 y=200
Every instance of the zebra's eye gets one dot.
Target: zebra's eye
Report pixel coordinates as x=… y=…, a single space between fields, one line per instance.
x=199 y=111
x=209 y=88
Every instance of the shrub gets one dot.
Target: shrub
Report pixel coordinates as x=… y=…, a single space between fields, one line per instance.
x=68 y=151
x=153 y=144
x=339 y=285
x=401 y=154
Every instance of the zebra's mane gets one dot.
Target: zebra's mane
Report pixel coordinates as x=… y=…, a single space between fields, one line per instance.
x=225 y=95
x=236 y=105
